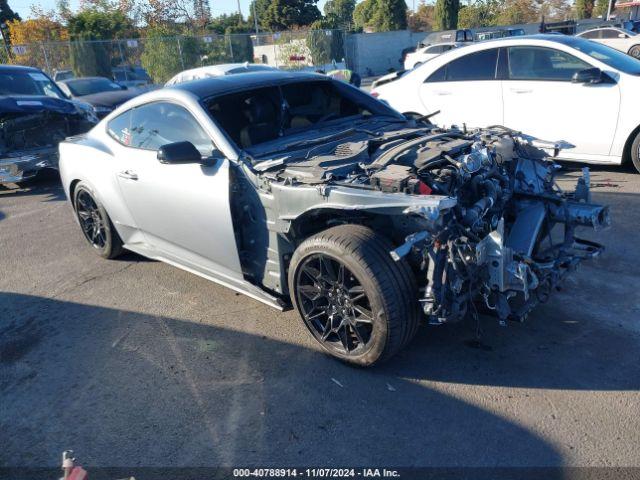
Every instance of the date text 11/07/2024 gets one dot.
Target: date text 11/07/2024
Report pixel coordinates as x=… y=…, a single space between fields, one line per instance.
x=316 y=472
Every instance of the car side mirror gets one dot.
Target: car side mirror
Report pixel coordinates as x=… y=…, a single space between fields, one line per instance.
x=622 y=35
x=124 y=87
x=588 y=76
x=179 y=152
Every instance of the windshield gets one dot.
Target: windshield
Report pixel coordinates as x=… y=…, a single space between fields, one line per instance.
x=28 y=83
x=92 y=85
x=614 y=58
x=274 y=112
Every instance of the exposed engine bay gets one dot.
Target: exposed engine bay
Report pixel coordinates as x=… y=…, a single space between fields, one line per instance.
x=478 y=215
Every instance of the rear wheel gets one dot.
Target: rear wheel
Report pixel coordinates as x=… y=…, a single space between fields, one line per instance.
x=356 y=302
x=635 y=51
x=95 y=223
x=635 y=152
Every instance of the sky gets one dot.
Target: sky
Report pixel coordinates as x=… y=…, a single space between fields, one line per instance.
x=218 y=7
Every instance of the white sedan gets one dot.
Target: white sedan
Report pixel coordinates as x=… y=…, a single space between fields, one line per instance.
x=425 y=54
x=217 y=71
x=624 y=40
x=550 y=86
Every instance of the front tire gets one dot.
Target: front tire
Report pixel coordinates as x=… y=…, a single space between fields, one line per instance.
x=635 y=152
x=356 y=302
x=96 y=225
x=635 y=51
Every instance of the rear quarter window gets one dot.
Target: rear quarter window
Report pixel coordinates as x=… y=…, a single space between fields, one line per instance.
x=119 y=128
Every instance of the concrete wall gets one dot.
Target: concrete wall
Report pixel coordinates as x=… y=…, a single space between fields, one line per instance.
x=376 y=53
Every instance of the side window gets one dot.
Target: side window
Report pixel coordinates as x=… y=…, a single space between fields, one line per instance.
x=119 y=128
x=437 y=76
x=157 y=124
x=435 y=49
x=535 y=63
x=591 y=35
x=475 y=66
x=610 y=33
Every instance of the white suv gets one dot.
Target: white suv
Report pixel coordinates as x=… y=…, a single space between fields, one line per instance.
x=624 y=40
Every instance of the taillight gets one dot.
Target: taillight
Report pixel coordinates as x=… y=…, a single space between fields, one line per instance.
x=374 y=94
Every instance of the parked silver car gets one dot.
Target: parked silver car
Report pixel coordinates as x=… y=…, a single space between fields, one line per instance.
x=297 y=189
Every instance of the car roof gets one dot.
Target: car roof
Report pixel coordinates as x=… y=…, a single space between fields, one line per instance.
x=212 y=86
x=536 y=39
x=225 y=67
x=18 y=68
x=70 y=80
x=443 y=43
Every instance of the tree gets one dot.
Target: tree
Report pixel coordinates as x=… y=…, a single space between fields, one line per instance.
x=241 y=45
x=64 y=10
x=390 y=15
x=258 y=8
x=234 y=21
x=381 y=15
x=446 y=14
x=6 y=14
x=88 y=56
x=584 y=8
x=339 y=12
x=555 y=10
x=325 y=45
x=166 y=54
x=479 y=13
x=286 y=14
x=96 y=24
x=36 y=31
x=422 y=20
x=201 y=12
x=518 y=11
x=600 y=8
x=363 y=13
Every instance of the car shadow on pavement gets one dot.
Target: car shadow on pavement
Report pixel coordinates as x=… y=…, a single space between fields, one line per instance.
x=45 y=183
x=125 y=389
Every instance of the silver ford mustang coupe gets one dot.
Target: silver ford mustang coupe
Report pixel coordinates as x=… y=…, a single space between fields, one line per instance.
x=296 y=189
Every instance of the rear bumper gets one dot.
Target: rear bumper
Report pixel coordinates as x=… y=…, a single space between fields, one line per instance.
x=19 y=166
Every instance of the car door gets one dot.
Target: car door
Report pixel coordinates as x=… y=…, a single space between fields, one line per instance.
x=541 y=100
x=465 y=91
x=615 y=38
x=182 y=209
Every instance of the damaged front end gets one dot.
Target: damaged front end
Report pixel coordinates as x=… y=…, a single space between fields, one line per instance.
x=510 y=239
x=30 y=131
x=478 y=215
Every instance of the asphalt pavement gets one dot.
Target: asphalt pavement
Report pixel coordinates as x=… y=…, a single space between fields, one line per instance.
x=133 y=362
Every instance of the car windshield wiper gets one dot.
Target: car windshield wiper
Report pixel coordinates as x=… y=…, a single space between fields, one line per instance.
x=315 y=141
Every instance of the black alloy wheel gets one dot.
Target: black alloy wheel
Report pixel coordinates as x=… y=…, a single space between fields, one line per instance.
x=95 y=223
x=334 y=305
x=91 y=220
x=356 y=301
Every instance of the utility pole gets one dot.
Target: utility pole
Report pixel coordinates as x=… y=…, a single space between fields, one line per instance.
x=255 y=16
x=609 y=9
x=255 y=21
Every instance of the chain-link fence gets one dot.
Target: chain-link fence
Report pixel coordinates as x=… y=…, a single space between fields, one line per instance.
x=157 y=59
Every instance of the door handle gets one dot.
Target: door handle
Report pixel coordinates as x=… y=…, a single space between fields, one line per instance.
x=443 y=92
x=128 y=174
x=521 y=90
